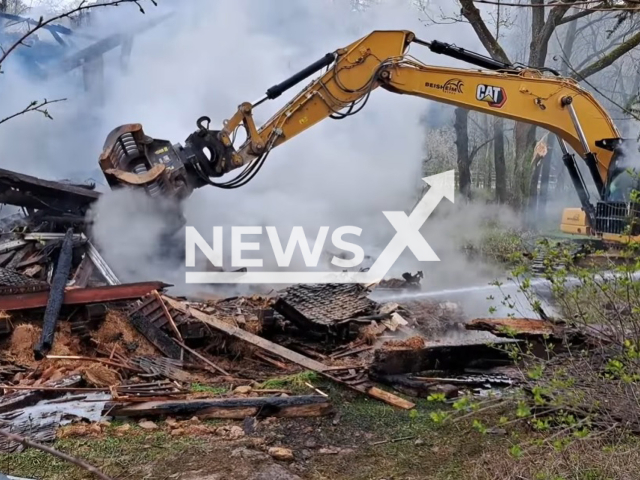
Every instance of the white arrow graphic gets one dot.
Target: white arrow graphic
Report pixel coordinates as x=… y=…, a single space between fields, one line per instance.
x=408 y=228
x=407 y=235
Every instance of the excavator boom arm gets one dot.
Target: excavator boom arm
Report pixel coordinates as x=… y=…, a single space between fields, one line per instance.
x=380 y=59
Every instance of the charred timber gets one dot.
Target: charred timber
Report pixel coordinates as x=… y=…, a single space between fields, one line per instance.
x=56 y=297
x=415 y=388
x=155 y=335
x=451 y=358
x=32 y=192
x=234 y=408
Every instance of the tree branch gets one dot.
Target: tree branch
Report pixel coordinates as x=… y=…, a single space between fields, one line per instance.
x=82 y=7
x=591 y=22
x=34 y=106
x=542 y=39
x=575 y=16
x=56 y=453
x=609 y=58
x=477 y=148
x=601 y=51
x=472 y=14
x=586 y=4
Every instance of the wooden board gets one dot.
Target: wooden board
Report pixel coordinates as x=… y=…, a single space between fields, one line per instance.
x=249 y=337
x=235 y=408
x=375 y=392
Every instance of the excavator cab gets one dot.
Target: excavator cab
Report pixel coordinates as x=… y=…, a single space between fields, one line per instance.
x=618 y=213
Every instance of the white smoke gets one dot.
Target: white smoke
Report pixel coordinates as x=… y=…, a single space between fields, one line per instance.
x=207 y=59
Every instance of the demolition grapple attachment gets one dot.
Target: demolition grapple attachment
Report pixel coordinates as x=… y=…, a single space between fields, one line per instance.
x=131 y=158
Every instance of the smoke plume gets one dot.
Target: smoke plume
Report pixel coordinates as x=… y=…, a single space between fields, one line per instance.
x=210 y=56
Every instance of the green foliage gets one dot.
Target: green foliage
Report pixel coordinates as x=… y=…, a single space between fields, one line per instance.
x=571 y=390
x=437 y=397
x=291 y=381
x=499 y=244
x=438 y=416
x=199 y=388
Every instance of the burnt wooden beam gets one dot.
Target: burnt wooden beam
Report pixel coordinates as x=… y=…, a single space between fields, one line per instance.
x=155 y=335
x=56 y=297
x=452 y=358
x=232 y=408
x=515 y=327
x=32 y=192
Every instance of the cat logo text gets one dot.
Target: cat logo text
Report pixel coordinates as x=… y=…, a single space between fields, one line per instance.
x=496 y=97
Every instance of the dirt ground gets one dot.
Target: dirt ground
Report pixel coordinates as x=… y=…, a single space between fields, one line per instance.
x=339 y=446
x=363 y=440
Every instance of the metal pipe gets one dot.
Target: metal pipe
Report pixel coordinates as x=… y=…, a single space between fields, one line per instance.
x=261 y=100
x=465 y=55
x=568 y=102
x=578 y=181
x=589 y=156
x=296 y=78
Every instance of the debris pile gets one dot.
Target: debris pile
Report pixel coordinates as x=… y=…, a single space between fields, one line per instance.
x=79 y=345
x=408 y=281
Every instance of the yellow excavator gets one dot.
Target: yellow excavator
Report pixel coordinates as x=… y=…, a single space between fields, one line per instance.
x=380 y=59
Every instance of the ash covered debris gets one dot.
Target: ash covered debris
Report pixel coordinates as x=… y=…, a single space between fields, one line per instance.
x=408 y=281
x=78 y=342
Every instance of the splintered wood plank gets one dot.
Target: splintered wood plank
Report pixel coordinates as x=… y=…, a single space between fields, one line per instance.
x=249 y=337
x=390 y=398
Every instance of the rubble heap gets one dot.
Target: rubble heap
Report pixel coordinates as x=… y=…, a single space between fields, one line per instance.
x=77 y=344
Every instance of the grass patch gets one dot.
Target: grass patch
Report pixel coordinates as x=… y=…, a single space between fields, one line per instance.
x=199 y=388
x=435 y=450
x=119 y=457
x=294 y=382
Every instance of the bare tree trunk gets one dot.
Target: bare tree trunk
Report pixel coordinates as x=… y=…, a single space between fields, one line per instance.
x=567 y=51
x=499 y=161
x=3 y=5
x=525 y=134
x=462 y=146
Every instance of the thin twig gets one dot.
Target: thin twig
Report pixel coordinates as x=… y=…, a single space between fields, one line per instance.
x=91 y=359
x=80 y=8
x=52 y=451
x=51 y=389
x=34 y=106
x=394 y=440
x=204 y=359
x=317 y=390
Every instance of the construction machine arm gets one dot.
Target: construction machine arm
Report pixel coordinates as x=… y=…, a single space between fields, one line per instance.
x=380 y=59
